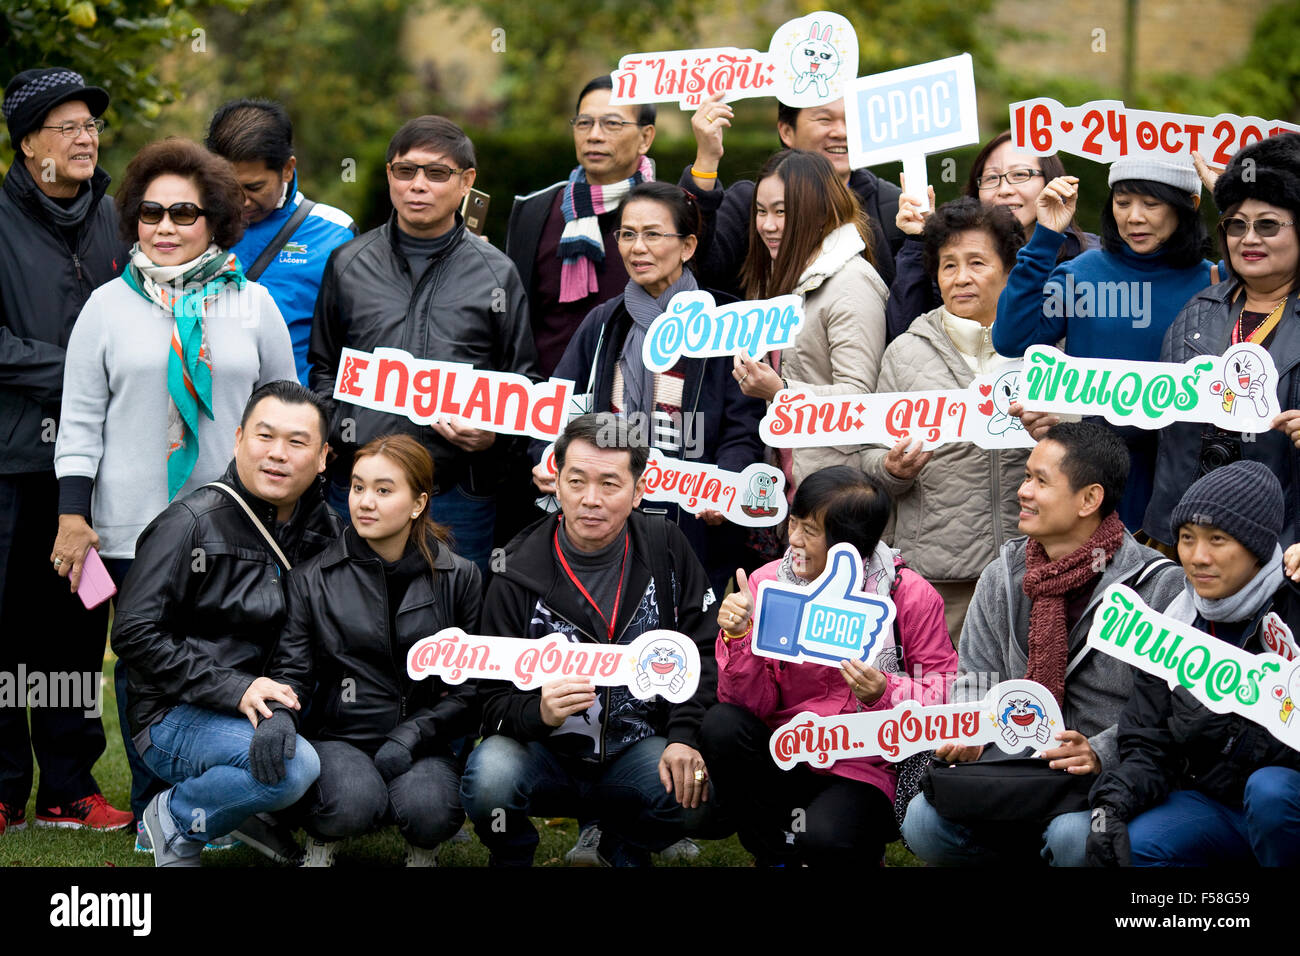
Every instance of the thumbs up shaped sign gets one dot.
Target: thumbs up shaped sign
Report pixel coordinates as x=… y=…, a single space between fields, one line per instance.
x=830 y=620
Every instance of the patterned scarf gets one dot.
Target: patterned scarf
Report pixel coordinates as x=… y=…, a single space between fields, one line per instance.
x=1047 y=584
x=581 y=245
x=185 y=291
x=638 y=381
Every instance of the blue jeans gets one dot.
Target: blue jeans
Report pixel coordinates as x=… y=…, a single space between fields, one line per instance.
x=472 y=520
x=205 y=754
x=1191 y=829
x=506 y=781
x=940 y=842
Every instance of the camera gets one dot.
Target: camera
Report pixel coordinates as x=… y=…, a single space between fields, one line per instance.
x=1218 y=448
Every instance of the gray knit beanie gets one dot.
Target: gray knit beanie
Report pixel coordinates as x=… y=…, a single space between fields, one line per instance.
x=1243 y=499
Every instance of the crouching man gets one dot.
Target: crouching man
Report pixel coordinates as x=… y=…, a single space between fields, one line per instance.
x=199 y=615
x=1030 y=617
x=599 y=573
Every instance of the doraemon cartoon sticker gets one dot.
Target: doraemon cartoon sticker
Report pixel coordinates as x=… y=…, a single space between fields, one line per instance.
x=1013 y=715
x=979 y=413
x=660 y=662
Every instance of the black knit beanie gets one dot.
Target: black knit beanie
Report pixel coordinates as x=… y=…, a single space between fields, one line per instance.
x=31 y=95
x=1268 y=171
x=1243 y=499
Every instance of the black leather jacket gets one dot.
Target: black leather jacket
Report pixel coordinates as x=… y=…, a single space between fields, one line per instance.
x=202 y=608
x=467 y=306
x=46 y=275
x=338 y=637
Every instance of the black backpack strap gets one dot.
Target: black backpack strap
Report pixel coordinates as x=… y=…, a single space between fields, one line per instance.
x=1133 y=581
x=277 y=242
x=661 y=569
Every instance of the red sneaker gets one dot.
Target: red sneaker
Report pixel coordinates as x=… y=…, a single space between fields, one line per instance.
x=92 y=812
x=12 y=817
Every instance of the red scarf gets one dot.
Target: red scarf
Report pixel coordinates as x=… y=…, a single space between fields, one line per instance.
x=1047 y=584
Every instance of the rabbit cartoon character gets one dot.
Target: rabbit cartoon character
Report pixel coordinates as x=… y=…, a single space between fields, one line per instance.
x=1243 y=377
x=1004 y=393
x=815 y=61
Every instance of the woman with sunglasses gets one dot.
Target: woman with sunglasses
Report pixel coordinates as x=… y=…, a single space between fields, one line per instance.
x=1117 y=301
x=161 y=360
x=1259 y=196
x=1001 y=175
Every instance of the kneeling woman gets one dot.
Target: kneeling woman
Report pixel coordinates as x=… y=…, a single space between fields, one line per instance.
x=1198 y=788
x=384 y=740
x=848 y=807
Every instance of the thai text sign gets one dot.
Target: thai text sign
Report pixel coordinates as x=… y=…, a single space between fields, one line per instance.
x=977 y=414
x=1107 y=130
x=425 y=391
x=659 y=662
x=1236 y=391
x=1225 y=678
x=694 y=326
x=1014 y=714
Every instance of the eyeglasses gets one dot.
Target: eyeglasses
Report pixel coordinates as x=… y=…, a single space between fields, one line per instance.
x=1264 y=228
x=610 y=124
x=181 y=213
x=70 y=130
x=1013 y=176
x=627 y=237
x=434 y=172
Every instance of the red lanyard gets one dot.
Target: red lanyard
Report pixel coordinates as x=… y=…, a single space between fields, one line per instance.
x=618 y=594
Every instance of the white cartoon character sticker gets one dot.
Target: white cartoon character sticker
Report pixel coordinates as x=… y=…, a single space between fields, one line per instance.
x=667 y=664
x=759 y=497
x=1004 y=393
x=1244 y=376
x=816 y=55
x=1286 y=696
x=814 y=60
x=1022 y=720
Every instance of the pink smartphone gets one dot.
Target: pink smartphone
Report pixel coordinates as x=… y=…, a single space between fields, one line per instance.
x=96 y=586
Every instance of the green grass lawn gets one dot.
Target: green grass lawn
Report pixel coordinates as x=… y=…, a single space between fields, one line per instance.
x=56 y=847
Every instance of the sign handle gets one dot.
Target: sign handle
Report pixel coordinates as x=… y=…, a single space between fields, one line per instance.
x=917 y=180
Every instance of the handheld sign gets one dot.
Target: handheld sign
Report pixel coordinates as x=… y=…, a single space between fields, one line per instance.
x=694 y=326
x=978 y=414
x=808 y=62
x=904 y=114
x=830 y=620
x=425 y=391
x=1107 y=130
x=1263 y=688
x=663 y=663
x=1236 y=391
x=753 y=498
x=1014 y=714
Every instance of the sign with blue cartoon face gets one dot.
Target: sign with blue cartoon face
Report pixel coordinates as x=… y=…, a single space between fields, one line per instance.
x=830 y=620
x=1022 y=719
x=664 y=663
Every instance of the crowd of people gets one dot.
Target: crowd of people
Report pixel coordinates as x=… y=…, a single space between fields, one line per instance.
x=267 y=602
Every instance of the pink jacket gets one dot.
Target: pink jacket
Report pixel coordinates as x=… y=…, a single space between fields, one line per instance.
x=776 y=691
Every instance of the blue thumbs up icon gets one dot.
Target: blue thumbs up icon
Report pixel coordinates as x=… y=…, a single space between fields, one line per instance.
x=831 y=620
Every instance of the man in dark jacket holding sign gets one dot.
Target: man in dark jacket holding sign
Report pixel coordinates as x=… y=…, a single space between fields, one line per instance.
x=198 y=618
x=1193 y=787
x=599 y=573
x=58 y=241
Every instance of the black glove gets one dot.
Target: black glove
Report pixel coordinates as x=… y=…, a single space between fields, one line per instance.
x=274 y=741
x=1108 y=840
x=393 y=760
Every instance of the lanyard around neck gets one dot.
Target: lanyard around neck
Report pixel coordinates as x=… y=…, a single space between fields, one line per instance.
x=618 y=594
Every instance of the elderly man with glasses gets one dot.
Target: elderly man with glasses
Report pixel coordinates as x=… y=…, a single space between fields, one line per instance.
x=423 y=283
x=58 y=241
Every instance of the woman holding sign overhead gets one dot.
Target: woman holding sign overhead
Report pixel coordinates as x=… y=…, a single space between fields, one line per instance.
x=1259 y=197
x=809 y=237
x=694 y=409
x=847 y=809
x=1117 y=301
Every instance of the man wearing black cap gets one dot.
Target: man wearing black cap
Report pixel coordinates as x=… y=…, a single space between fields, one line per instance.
x=58 y=241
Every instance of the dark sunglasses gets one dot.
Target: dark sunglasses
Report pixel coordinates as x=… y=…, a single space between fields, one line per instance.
x=435 y=172
x=1264 y=228
x=181 y=213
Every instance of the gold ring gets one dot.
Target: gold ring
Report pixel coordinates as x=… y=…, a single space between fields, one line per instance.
x=700 y=776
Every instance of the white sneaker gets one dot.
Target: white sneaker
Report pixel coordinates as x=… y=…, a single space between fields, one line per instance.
x=586 y=852
x=684 y=850
x=318 y=853
x=419 y=856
